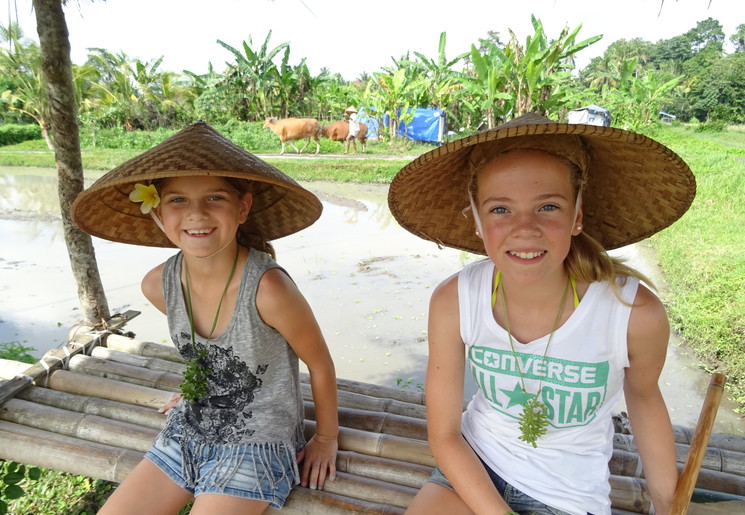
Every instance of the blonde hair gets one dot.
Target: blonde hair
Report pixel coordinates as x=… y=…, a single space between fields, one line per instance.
x=587 y=260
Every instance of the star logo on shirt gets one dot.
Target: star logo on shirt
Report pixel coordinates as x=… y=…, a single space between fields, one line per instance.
x=517 y=396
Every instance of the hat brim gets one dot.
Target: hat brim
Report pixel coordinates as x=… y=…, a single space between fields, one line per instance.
x=635 y=186
x=280 y=206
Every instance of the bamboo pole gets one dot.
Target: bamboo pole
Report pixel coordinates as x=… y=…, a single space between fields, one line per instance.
x=723 y=460
x=313 y=502
x=141 y=348
x=625 y=463
x=90 y=428
x=117 y=356
x=388 y=423
x=81 y=384
x=360 y=401
x=687 y=480
x=126 y=373
x=139 y=415
x=377 y=444
x=383 y=469
x=53 y=451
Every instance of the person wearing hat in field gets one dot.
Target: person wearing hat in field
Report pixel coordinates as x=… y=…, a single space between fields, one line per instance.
x=233 y=439
x=553 y=330
x=350 y=113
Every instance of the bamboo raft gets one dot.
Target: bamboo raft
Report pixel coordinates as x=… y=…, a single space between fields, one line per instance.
x=91 y=408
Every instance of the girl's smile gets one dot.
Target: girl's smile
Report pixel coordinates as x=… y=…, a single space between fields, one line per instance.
x=201 y=214
x=526 y=206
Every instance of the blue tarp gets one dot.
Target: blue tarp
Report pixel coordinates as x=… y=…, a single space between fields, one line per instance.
x=427 y=125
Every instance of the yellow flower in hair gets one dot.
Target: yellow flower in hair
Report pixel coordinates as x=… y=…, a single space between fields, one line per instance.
x=148 y=195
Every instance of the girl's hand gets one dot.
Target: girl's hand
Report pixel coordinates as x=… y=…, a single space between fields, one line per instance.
x=319 y=461
x=172 y=403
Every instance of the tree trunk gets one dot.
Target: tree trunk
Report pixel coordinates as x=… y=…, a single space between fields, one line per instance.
x=57 y=69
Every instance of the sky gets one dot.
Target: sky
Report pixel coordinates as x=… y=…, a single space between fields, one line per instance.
x=351 y=37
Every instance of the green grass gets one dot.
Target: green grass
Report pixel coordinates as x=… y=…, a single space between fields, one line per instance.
x=702 y=256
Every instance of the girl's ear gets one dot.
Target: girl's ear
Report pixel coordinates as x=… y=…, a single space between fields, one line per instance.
x=577 y=228
x=245 y=206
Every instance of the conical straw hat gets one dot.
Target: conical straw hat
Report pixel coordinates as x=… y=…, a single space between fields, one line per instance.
x=634 y=186
x=280 y=205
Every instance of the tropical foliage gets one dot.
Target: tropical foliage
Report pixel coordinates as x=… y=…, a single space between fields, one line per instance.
x=689 y=75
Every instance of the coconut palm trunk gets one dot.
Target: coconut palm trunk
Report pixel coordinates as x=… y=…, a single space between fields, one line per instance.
x=57 y=69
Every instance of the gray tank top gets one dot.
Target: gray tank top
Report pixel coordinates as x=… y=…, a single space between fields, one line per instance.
x=254 y=388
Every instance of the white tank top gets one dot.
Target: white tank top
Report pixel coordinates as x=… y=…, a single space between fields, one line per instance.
x=581 y=380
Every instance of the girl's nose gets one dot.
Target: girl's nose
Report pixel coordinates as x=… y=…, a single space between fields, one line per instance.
x=197 y=210
x=526 y=223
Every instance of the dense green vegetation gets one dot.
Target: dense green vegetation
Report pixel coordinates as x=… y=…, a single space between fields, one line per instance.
x=688 y=75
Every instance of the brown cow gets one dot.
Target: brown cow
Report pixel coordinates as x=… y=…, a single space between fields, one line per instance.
x=293 y=129
x=338 y=131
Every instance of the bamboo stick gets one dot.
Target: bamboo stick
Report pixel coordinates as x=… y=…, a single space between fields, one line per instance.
x=719 y=440
x=50 y=450
x=141 y=348
x=388 y=423
x=126 y=373
x=687 y=480
x=366 y=402
x=80 y=384
x=313 y=502
x=374 y=390
x=383 y=469
x=142 y=416
x=86 y=427
x=377 y=444
x=732 y=462
x=118 y=356
x=371 y=490
x=625 y=463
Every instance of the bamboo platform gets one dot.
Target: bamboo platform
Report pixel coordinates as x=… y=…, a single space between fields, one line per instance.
x=91 y=408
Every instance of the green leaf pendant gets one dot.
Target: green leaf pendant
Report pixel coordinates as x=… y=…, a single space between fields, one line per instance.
x=195 y=382
x=533 y=420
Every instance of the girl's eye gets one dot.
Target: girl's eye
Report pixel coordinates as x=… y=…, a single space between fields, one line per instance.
x=549 y=207
x=176 y=199
x=215 y=197
x=499 y=210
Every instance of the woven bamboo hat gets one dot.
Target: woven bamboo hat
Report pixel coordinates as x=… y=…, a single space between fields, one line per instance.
x=350 y=109
x=280 y=205
x=634 y=186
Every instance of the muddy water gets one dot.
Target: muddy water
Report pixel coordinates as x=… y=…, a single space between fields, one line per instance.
x=367 y=279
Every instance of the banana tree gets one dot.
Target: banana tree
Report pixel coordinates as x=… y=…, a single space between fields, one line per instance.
x=250 y=77
x=485 y=84
x=441 y=81
x=538 y=74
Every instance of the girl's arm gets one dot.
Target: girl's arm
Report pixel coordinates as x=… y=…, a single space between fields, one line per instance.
x=647 y=345
x=444 y=395
x=152 y=288
x=283 y=307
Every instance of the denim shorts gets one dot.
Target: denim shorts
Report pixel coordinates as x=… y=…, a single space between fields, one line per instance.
x=246 y=474
x=517 y=500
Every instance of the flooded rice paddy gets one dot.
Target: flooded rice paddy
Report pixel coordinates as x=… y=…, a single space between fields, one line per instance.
x=367 y=279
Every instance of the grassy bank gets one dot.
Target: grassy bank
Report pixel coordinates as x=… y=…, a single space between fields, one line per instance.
x=703 y=254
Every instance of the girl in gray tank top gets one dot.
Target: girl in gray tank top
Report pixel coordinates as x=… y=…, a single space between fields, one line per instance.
x=234 y=438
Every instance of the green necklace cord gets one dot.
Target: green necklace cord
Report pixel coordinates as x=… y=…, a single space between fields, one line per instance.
x=195 y=381
x=533 y=420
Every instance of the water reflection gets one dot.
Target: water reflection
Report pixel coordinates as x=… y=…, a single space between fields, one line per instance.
x=367 y=279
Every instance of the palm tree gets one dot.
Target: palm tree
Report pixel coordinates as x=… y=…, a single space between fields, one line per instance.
x=56 y=68
x=21 y=65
